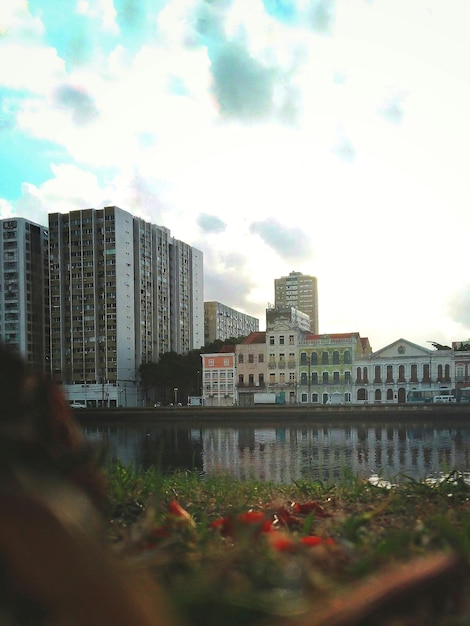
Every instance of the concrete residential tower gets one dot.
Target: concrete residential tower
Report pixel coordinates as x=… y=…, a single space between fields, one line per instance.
x=122 y=293
x=24 y=285
x=299 y=291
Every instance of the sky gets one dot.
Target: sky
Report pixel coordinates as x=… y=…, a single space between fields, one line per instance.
x=328 y=137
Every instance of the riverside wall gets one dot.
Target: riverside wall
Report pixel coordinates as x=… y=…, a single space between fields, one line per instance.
x=282 y=413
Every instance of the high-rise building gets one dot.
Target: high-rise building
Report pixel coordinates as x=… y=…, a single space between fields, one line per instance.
x=299 y=291
x=222 y=322
x=24 y=305
x=116 y=301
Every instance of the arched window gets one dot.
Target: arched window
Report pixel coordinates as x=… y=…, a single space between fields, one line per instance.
x=401 y=373
x=347 y=356
x=314 y=378
x=440 y=377
x=389 y=394
x=303 y=358
x=324 y=358
x=314 y=358
x=378 y=395
x=362 y=394
x=377 y=374
x=325 y=378
x=336 y=357
x=314 y=397
x=447 y=372
x=358 y=375
x=426 y=373
x=303 y=378
x=389 y=374
x=365 y=376
x=414 y=374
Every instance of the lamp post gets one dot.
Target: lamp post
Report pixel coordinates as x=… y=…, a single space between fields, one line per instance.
x=176 y=395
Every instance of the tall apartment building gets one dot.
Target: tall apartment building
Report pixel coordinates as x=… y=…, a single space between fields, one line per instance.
x=115 y=301
x=24 y=285
x=222 y=322
x=300 y=291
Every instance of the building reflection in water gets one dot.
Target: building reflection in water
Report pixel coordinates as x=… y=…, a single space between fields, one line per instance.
x=285 y=454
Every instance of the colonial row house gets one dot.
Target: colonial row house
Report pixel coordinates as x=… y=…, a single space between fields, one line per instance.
x=286 y=364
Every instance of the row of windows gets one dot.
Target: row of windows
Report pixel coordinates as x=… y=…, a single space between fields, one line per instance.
x=251 y=358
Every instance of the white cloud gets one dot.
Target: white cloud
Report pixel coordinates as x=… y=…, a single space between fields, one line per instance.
x=379 y=203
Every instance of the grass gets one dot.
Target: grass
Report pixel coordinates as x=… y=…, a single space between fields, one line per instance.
x=240 y=553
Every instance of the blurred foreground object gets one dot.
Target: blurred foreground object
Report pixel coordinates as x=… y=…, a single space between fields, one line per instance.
x=55 y=568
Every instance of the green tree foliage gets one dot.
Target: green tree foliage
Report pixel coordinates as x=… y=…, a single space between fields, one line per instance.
x=177 y=371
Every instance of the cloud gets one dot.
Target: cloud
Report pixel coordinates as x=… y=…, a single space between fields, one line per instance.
x=322 y=15
x=289 y=243
x=459 y=307
x=211 y=223
x=344 y=148
x=227 y=280
x=392 y=109
x=78 y=102
x=243 y=86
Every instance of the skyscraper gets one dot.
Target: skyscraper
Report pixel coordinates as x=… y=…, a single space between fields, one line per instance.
x=300 y=291
x=24 y=305
x=116 y=302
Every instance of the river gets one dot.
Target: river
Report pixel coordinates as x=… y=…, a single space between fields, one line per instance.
x=283 y=451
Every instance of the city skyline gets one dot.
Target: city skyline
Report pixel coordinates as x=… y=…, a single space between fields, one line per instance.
x=327 y=138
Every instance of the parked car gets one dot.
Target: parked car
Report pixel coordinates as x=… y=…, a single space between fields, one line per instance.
x=444 y=399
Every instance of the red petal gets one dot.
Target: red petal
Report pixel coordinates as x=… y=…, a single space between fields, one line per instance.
x=308 y=507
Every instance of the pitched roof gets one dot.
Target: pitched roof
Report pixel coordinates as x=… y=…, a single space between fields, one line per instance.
x=225 y=349
x=255 y=337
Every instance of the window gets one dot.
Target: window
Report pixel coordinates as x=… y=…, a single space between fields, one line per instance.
x=336 y=377
x=271 y=340
x=336 y=357
x=314 y=378
x=240 y=379
x=240 y=358
x=314 y=358
x=347 y=356
x=251 y=380
x=260 y=357
x=251 y=358
x=303 y=358
x=210 y=362
x=325 y=378
x=281 y=340
x=291 y=339
x=401 y=374
x=324 y=358
x=347 y=378
x=261 y=380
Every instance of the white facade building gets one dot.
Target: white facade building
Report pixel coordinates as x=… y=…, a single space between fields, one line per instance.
x=24 y=284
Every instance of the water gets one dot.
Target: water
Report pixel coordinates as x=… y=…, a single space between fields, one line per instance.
x=284 y=452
